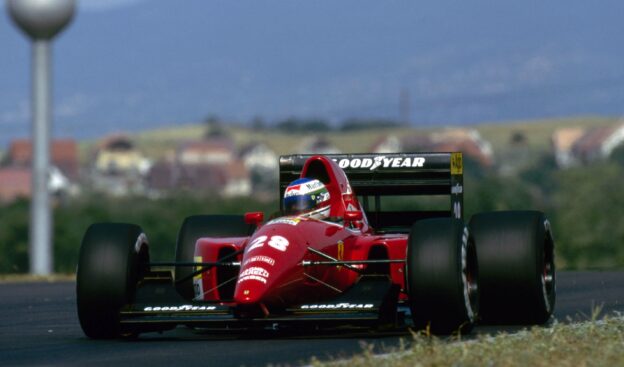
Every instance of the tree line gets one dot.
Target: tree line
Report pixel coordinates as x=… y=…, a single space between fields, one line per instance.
x=585 y=206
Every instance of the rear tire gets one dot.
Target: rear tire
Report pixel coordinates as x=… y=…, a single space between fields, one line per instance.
x=113 y=258
x=516 y=266
x=441 y=276
x=194 y=228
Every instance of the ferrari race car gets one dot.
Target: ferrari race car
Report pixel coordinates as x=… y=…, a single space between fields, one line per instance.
x=359 y=265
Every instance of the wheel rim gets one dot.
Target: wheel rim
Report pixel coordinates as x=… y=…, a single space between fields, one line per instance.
x=548 y=272
x=469 y=276
x=547 y=277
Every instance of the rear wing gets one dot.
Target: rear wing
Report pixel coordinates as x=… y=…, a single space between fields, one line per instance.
x=392 y=174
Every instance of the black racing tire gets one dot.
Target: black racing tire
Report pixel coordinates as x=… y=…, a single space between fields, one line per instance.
x=198 y=226
x=113 y=258
x=516 y=267
x=442 y=276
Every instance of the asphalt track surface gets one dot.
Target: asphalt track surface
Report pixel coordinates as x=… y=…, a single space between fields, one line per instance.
x=39 y=327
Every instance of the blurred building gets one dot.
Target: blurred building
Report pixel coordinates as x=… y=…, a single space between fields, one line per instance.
x=118 y=167
x=562 y=142
x=15 y=182
x=317 y=145
x=578 y=146
x=118 y=154
x=598 y=143
x=262 y=164
x=416 y=143
x=16 y=170
x=64 y=156
x=467 y=141
x=387 y=144
x=205 y=167
x=206 y=152
x=516 y=155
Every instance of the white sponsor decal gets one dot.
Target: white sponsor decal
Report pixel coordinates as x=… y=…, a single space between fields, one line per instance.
x=313 y=185
x=457 y=210
x=292 y=192
x=264 y=259
x=198 y=283
x=179 y=308
x=254 y=273
x=291 y=221
x=255 y=270
x=252 y=277
x=338 y=306
x=323 y=196
x=198 y=289
x=277 y=242
x=381 y=161
x=304 y=188
x=256 y=243
x=457 y=189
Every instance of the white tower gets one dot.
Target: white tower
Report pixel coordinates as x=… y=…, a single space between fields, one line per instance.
x=41 y=20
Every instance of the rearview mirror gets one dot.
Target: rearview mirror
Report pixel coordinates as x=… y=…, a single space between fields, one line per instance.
x=254 y=218
x=353 y=216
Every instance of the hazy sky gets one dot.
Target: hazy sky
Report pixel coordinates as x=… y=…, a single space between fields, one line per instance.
x=132 y=64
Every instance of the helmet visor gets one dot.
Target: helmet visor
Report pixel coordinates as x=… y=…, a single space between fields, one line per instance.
x=298 y=204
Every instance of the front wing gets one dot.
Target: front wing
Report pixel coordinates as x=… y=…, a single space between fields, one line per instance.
x=371 y=301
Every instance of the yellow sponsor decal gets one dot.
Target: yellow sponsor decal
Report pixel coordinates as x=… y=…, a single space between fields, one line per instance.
x=340 y=254
x=457 y=164
x=198 y=259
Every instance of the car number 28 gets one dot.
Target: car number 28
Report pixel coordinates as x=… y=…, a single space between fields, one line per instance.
x=277 y=242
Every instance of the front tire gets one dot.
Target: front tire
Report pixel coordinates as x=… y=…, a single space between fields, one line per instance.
x=113 y=258
x=516 y=265
x=441 y=276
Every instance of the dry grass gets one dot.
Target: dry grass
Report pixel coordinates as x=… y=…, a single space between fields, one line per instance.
x=25 y=278
x=593 y=343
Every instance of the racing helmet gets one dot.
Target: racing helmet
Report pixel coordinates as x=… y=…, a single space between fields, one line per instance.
x=307 y=197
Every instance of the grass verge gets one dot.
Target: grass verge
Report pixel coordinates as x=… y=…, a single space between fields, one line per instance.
x=21 y=278
x=592 y=343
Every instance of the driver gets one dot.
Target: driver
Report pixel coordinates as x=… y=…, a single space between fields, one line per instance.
x=307 y=197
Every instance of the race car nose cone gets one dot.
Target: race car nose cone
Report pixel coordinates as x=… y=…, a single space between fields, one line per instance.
x=249 y=293
x=252 y=284
x=271 y=259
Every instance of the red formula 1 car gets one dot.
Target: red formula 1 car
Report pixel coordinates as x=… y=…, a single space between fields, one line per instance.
x=356 y=265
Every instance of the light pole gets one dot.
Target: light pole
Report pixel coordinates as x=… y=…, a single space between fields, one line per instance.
x=41 y=20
